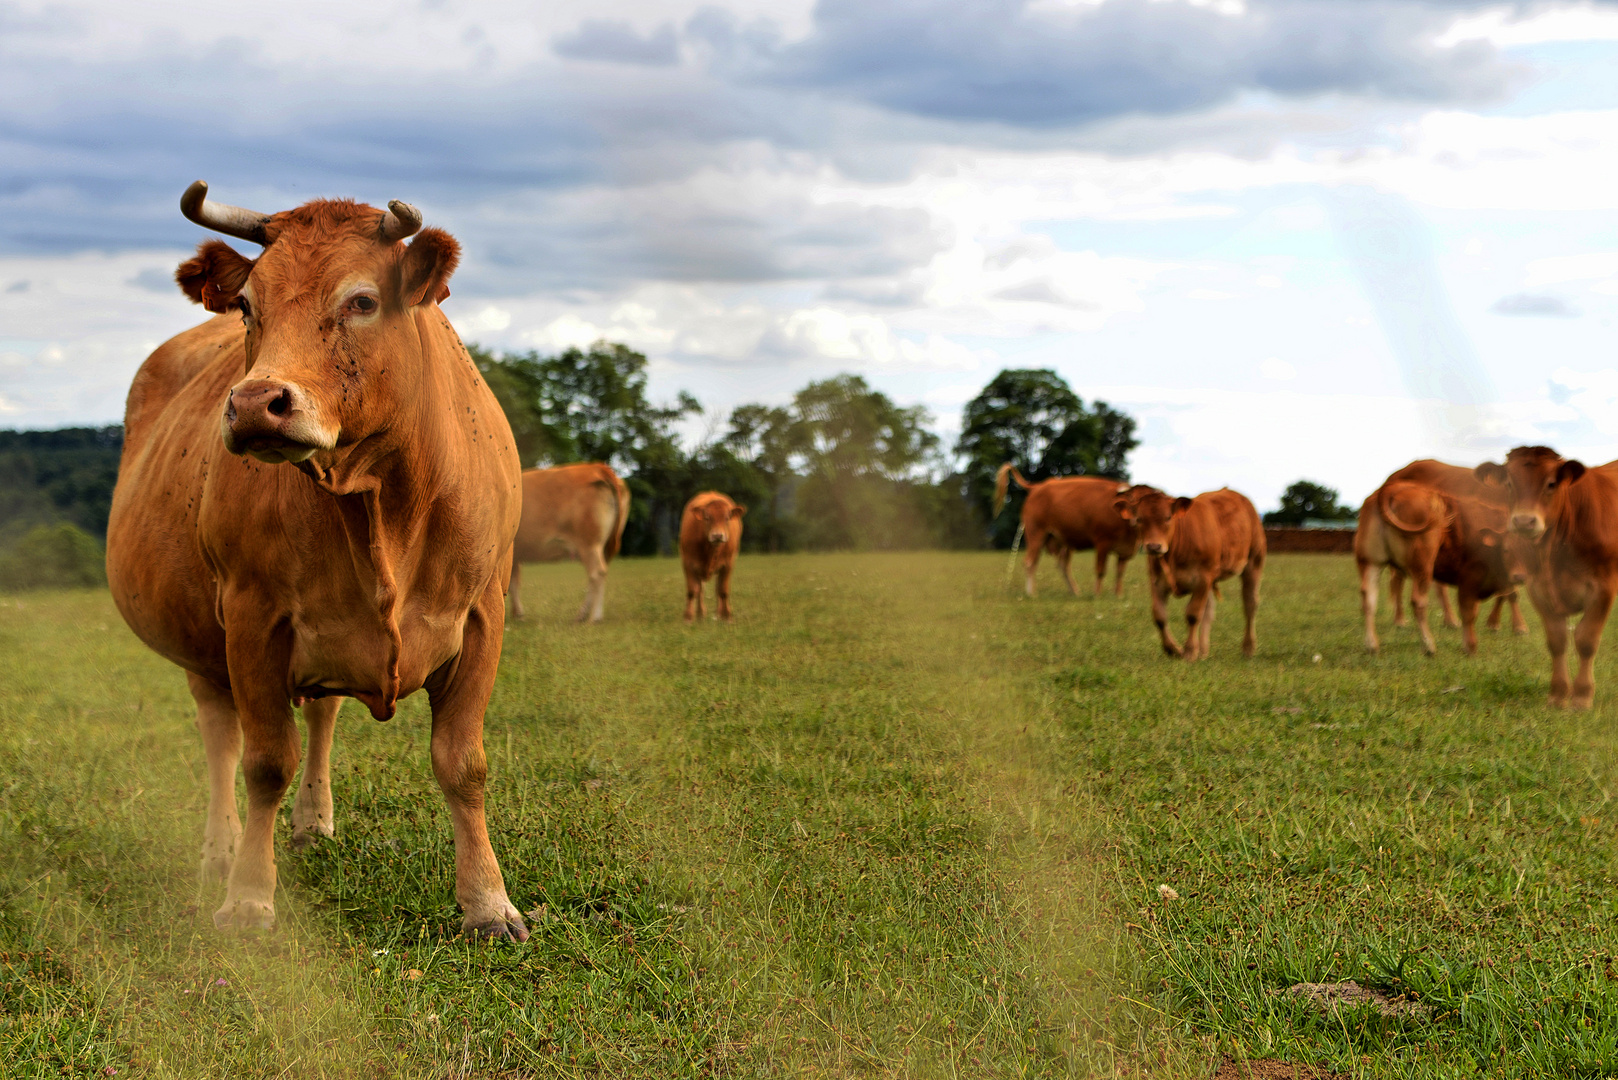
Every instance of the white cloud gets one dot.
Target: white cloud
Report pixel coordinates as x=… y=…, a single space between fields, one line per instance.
x=1274 y=367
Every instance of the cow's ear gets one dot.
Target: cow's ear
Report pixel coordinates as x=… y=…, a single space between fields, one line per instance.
x=1569 y=471
x=1489 y=537
x=1181 y=505
x=738 y=511
x=1122 y=506
x=214 y=276
x=425 y=270
x=1489 y=472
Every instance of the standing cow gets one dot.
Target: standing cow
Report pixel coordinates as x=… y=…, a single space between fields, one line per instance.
x=571 y=512
x=1569 y=513
x=710 y=536
x=1069 y=514
x=351 y=537
x=1192 y=545
x=1458 y=482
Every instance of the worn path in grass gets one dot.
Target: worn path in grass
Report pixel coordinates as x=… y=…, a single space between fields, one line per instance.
x=894 y=821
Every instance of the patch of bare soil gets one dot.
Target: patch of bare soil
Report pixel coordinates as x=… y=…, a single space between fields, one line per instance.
x=1271 y=1069
x=1328 y=997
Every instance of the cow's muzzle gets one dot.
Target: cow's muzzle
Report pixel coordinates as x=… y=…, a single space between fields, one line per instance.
x=716 y=538
x=1529 y=525
x=272 y=421
x=1156 y=549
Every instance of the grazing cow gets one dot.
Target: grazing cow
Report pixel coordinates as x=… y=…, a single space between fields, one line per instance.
x=351 y=538
x=1069 y=514
x=1570 y=514
x=1432 y=537
x=1463 y=483
x=571 y=512
x=710 y=536
x=1191 y=546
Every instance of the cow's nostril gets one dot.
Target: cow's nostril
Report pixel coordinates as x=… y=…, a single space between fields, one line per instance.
x=282 y=404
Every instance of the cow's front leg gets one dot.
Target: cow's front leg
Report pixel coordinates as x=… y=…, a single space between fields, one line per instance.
x=1587 y=639
x=222 y=739
x=1494 y=613
x=1160 y=614
x=516 y=588
x=258 y=669
x=1556 y=641
x=721 y=592
x=1252 y=578
x=311 y=807
x=1197 y=610
x=1469 y=619
x=1118 y=583
x=1443 y=602
x=1519 y=625
x=459 y=693
x=693 y=596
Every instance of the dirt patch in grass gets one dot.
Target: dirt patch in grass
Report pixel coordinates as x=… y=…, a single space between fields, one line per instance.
x=1270 y=1069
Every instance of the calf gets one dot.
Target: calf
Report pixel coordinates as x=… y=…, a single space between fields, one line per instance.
x=1431 y=537
x=1464 y=483
x=1570 y=513
x=1069 y=514
x=1192 y=545
x=710 y=536
x=571 y=512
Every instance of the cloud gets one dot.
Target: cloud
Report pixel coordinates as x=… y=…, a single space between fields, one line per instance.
x=1050 y=65
x=616 y=42
x=1531 y=304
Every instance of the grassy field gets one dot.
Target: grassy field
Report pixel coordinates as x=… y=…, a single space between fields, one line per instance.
x=893 y=821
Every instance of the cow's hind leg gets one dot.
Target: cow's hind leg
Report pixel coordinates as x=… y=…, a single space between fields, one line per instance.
x=1396 y=597
x=516 y=589
x=595 y=589
x=1370 y=582
x=1252 y=578
x=311 y=807
x=1443 y=602
x=459 y=694
x=1420 y=583
x=1207 y=625
x=222 y=739
x=1064 y=563
x=1030 y=559
x=1118 y=583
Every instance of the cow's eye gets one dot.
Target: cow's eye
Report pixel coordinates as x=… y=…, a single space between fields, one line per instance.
x=363 y=304
x=245 y=307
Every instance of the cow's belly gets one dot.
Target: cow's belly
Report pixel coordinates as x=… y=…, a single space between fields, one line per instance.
x=351 y=653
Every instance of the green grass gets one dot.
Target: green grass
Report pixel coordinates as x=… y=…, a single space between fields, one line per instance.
x=895 y=820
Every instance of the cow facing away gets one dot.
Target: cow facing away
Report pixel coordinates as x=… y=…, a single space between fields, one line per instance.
x=1435 y=539
x=571 y=512
x=1192 y=545
x=1463 y=483
x=350 y=538
x=1069 y=514
x=1568 y=515
x=710 y=536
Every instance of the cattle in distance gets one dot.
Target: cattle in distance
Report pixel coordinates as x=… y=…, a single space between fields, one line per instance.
x=1068 y=514
x=571 y=512
x=1568 y=515
x=317 y=499
x=1191 y=546
x=710 y=536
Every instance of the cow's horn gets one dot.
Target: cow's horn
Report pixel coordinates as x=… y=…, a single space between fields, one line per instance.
x=400 y=221
x=220 y=217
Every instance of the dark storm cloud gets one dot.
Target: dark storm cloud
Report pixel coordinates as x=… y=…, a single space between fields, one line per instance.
x=615 y=42
x=1010 y=62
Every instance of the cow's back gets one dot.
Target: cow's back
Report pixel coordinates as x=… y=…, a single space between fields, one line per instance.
x=1224 y=527
x=1451 y=480
x=1079 y=509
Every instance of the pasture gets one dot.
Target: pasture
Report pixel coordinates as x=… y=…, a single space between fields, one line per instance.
x=895 y=820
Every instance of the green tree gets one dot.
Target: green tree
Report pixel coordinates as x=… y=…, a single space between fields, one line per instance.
x=1307 y=500
x=760 y=443
x=1033 y=419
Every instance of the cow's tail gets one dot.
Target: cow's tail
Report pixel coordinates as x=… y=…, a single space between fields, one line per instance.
x=1005 y=472
x=620 y=492
x=1411 y=508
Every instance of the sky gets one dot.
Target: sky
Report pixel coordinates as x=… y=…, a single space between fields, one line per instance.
x=1293 y=238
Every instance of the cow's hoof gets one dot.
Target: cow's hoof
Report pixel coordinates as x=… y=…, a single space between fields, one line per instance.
x=245 y=915
x=215 y=867
x=504 y=925
x=305 y=839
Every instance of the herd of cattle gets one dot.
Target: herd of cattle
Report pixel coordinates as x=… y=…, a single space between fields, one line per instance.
x=360 y=532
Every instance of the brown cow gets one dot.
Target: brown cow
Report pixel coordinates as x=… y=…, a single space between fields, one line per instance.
x=1068 y=514
x=571 y=512
x=1191 y=546
x=352 y=537
x=710 y=536
x=1570 y=513
x=1464 y=483
x=1435 y=538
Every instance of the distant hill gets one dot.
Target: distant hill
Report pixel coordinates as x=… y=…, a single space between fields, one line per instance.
x=48 y=477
